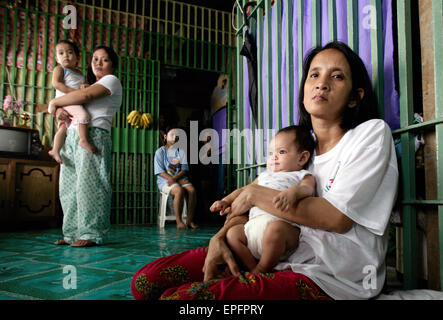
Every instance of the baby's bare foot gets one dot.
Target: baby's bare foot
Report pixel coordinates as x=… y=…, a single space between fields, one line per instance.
x=88 y=146
x=54 y=154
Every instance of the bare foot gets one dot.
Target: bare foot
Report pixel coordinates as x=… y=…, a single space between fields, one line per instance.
x=54 y=154
x=88 y=146
x=61 y=242
x=192 y=225
x=83 y=243
x=181 y=225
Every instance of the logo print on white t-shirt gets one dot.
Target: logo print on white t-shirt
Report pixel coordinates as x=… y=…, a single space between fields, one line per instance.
x=332 y=178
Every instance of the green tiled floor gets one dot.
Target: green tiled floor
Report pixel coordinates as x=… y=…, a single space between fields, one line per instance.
x=31 y=267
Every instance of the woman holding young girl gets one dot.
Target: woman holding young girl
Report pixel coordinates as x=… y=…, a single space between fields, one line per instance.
x=85 y=186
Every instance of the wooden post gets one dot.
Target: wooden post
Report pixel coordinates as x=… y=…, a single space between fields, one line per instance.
x=431 y=225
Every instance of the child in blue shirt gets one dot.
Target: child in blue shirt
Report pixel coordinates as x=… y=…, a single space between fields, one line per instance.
x=170 y=167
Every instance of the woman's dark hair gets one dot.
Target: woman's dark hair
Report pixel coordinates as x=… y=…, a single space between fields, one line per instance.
x=73 y=45
x=90 y=76
x=302 y=138
x=366 y=108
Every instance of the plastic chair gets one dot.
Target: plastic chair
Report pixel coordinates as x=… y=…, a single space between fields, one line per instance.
x=162 y=216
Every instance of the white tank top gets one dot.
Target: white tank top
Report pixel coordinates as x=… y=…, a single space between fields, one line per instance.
x=71 y=79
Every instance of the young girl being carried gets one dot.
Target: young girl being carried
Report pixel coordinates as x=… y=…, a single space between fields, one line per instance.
x=66 y=78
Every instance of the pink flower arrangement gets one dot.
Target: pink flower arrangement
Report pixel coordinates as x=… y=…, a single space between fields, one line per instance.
x=14 y=107
x=7 y=103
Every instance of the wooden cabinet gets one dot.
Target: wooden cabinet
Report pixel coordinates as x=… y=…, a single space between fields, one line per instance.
x=4 y=183
x=28 y=190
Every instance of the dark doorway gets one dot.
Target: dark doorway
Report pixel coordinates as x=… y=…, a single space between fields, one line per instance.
x=185 y=96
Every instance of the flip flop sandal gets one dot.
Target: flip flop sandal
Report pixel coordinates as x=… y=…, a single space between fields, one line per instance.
x=61 y=242
x=88 y=243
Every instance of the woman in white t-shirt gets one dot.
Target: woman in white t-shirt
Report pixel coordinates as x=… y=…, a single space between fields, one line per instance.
x=85 y=186
x=343 y=236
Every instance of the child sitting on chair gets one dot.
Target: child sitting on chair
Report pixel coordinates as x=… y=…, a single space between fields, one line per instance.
x=170 y=167
x=266 y=237
x=66 y=78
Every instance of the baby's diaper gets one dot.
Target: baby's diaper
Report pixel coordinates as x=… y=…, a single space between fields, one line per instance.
x=254 y=230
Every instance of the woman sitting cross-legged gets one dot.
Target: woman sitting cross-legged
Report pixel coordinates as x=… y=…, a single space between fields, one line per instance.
x=343 y=228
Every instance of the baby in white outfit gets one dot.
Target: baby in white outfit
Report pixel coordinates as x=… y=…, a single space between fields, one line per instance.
x=265 y=237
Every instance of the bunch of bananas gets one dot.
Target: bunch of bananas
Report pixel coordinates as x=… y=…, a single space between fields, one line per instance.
x=139 y=119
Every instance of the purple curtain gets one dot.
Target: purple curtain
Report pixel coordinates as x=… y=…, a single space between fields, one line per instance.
x=342 y=20
x=391 y=99
x=219 y=120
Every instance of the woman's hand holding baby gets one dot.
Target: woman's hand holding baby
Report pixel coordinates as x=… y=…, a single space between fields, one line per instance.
x=242 y=204
x=221 y=206
x=63 y=115
x=52 y=108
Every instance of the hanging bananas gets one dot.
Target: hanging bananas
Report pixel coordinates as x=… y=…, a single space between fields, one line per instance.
x=133 y=117
x=147 y=120
x=139 y=119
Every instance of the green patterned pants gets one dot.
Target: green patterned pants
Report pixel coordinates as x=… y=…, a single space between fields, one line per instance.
x=85 y=187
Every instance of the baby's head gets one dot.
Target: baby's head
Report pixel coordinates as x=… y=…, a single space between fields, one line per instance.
x=290 y=149
x=67 y=54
